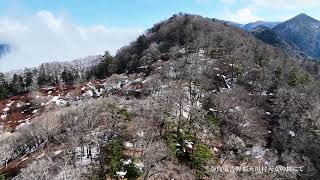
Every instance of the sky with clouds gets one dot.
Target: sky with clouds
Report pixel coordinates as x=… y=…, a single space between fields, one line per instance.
x=61 y=30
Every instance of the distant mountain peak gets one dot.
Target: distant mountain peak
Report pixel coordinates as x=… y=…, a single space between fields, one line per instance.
x=302 y=14
x=260 y=27
x=304 y=17
x=253 y=25
x=303 y=31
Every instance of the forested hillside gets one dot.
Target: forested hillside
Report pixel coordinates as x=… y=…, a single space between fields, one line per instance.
x=188 y=96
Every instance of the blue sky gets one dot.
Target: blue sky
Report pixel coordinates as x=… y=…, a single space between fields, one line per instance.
x=60 y=30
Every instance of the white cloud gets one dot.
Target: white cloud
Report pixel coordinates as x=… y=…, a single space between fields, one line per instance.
x=44 y=37
x=244 y=15
x=203 y=1
x=286 y=3
x=228 y=1
x=277 y=4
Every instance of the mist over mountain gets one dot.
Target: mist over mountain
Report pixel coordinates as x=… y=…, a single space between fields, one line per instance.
x=250 y=26
x=4 y=49
x=253 y=25
x=234 y=24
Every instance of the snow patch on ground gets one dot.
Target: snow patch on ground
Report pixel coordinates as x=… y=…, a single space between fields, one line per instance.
x=292 y=134
x=258 y=152
x=128 y=144
x=57 y=152
x=4 y=116
x=6 y=109
x=121 y=173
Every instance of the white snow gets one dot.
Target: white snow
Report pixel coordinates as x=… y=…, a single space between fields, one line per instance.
x=268 y=113
x=57 y=152
x=225 y=81
x=292 y=134
x=23 y=125
x=24 y=158
x=146 y=80
x=185 y=114
x=139 y=165
x=6 y=109
x=182 y=51
x=264 y=93
x=40 y=156
x=84 y=157
x=58 y=101
x=258 y=152
x=121 y=173
x=4 y=116
x=188 y=143
x=246 y=124
x=97 y=92
x=128 y=144
x=216 y=149
x=10 y=103
x=18 y=105
x=127 y=162
x=140 y=134
x=88 y=93
x=201 y=51
x=54 y=99
x=90 y=85
x=213 y=110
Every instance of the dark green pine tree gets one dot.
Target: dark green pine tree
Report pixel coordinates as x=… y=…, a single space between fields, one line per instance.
x=44 y=78
x=4 y=87
x=67 y=77
x=28 y=74
x=104 y=68
x=17 y=85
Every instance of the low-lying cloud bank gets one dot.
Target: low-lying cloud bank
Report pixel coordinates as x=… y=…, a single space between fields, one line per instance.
x=44 y=37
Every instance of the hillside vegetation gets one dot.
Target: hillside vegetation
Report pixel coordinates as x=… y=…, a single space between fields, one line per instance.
x=190 y=95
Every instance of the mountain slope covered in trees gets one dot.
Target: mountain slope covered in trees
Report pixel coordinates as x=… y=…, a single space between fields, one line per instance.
x=268 y=36
x=304 y=32
x=189 y=96
x=267 y=24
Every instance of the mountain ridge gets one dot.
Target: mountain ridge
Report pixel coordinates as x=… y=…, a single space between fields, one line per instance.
x=303 y=31
x=188 y=95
